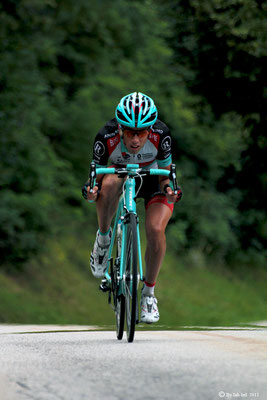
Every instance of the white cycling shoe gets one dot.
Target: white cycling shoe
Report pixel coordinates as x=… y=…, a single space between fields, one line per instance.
x=99 y=256
x=149 y=309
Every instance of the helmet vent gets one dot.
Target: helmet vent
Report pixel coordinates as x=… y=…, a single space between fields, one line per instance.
x=136 y=110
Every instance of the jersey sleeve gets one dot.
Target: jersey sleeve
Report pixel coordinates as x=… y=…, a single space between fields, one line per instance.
x=100 y=151
x=164 y=156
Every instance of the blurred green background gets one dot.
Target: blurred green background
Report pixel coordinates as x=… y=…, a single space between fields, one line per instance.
x=64 y=65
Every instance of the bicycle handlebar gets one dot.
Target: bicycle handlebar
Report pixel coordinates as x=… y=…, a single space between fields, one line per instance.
x=132 y=170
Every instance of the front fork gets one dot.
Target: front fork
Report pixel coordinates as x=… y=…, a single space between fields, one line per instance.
x=140 y=276
x=118 y=265
x=120 y=232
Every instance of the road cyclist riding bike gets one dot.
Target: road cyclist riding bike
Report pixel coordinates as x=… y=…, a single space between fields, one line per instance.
x=134 y=136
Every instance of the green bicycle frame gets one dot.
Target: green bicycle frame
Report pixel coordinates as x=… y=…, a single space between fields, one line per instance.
x=127 y=205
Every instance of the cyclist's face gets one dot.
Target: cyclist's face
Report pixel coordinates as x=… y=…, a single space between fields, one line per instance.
x=134 y=140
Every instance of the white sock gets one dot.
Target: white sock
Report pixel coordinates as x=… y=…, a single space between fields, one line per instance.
x=103 y=238
x=148 y=289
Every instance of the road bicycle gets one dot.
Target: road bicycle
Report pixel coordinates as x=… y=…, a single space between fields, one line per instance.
x=125 y=269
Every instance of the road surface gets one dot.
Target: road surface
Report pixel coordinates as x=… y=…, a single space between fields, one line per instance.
x=79 y=363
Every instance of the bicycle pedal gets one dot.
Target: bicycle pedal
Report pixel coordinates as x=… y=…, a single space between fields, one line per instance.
x=104 y=286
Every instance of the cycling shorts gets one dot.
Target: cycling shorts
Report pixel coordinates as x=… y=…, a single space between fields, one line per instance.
x=151 y=193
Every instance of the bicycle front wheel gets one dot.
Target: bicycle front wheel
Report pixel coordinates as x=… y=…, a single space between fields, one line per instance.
x=120 y=312
x=119 y=299
x=131 y=277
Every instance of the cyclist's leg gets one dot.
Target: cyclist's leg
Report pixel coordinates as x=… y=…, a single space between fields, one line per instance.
x=107 y=203
x=158 y=215
x=106 y=207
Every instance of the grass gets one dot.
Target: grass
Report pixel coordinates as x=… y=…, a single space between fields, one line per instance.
x=211 y=296
x=57 y=287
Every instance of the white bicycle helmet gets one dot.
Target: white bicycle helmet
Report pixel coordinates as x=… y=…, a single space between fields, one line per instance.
x=136 y=111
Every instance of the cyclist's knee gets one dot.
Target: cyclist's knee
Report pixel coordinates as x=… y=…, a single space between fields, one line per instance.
x=111 y=185
x=155 y=231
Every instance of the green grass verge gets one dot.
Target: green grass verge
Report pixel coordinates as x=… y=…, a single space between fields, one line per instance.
x=57 y=287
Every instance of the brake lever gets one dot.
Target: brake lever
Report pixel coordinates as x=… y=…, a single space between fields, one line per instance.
x=92 y=177
x=173 y=178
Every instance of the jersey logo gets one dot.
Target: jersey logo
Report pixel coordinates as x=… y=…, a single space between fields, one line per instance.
x=166 y=143
x=99 y=149
x=148 y=155
x=154 y=138
x=113 y=143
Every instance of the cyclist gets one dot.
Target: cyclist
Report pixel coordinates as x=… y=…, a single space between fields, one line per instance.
x=134 y=136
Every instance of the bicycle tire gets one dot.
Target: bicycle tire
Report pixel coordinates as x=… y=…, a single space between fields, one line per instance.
x=131 y=279
x=120 y=316
x=119 y=299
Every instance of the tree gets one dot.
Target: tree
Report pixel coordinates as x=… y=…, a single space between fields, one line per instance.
x=220 y=51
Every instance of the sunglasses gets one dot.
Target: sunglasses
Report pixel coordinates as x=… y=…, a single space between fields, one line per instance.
x=130 y=133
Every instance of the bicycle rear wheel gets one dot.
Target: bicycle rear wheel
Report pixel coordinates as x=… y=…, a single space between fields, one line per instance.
x=131 y=278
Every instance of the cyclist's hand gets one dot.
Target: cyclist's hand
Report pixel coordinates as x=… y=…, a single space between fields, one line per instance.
x=171 y=196
x=90 y=196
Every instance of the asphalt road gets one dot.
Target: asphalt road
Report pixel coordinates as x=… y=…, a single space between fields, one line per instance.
x=77 y=363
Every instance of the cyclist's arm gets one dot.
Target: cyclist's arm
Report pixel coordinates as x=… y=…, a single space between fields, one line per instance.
x=164 y=180
x=168 y=190
x=100 y=158
x=164 y=156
